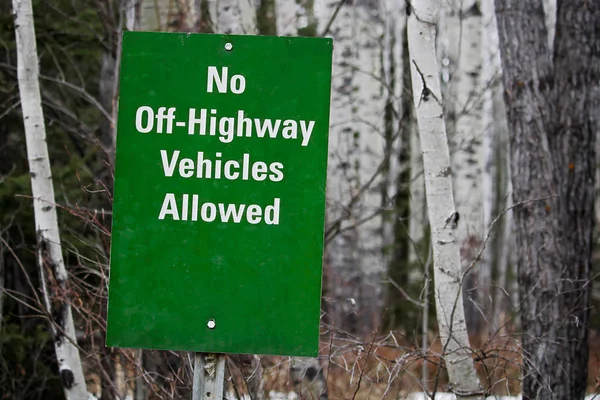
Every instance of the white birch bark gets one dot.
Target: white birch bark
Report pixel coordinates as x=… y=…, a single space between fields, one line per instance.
x=50 y=257
x=550 y=12
x=438 y=183
x=357 y=149
x=157 y=15
x=341 y=253
x=467 y=154
x=162 y=15
x=285 y=17
x=489 y=82
x=448 y=51
x=213 y=12
x=369 y=118
x=321 y=13
x=236 y=17
x=132 y=17
x=464 y=54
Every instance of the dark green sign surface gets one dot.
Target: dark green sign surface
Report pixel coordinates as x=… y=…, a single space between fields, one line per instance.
x=219 y=193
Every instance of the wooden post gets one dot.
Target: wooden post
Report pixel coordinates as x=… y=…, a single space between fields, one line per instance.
x=209 y=376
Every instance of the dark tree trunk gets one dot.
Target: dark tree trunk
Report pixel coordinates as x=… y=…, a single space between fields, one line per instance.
x=401 y=312
x=572 y=142
x=552 y=106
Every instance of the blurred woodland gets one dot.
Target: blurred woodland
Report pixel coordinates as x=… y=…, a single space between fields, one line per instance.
x=519 y=83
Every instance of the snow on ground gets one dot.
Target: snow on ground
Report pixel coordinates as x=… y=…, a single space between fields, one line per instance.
x=450 y=396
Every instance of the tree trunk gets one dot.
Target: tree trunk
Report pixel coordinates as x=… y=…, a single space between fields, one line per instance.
x=505 y=244
x=285 y=11
x=448 y=52
x=156 y=15
x=491 y=163
x=187 y=12
x=418 y=207
x=440 y=201
x=342 y=265
x=370 y=153
x=132 y=14
x=550 y=13
x=419 y=246
x=266 y=18
x=108 y=99
x=573 y=144
x=552 y=106
x=466 y=148
x=409 y=250
x=53 y=275
x=467 y=141
x=1 y=283
x=355 y=262
x=506 y=247
x=236 y=17
x=163 y=15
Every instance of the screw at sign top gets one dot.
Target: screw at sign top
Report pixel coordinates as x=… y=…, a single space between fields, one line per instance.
x=211 y=324
x=228 y=46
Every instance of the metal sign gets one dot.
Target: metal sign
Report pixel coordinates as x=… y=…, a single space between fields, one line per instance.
x=219 y=195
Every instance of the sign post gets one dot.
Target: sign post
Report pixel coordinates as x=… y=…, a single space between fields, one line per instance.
x=209 y=376
x=219 y=197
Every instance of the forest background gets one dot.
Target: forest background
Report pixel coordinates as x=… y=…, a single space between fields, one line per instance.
x=380 y=336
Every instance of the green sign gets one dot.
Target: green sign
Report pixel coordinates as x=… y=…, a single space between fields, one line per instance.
x=219 y=195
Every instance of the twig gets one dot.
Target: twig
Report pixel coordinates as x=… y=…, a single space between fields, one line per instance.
x=335 y=13
x=368 y=354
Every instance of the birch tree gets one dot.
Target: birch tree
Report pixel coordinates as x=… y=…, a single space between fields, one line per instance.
x=552 y=97
x=357 y=147
x=394 y=185
x=341 y=258
x=443 y=219
x=369 y=154
x=285 y=11
x=236 y=17
x=155 y=15
x=490 y=69
x=408 y=246
x=497 y=191
x=162 y=15
x=53 y=275
x=466 y=139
